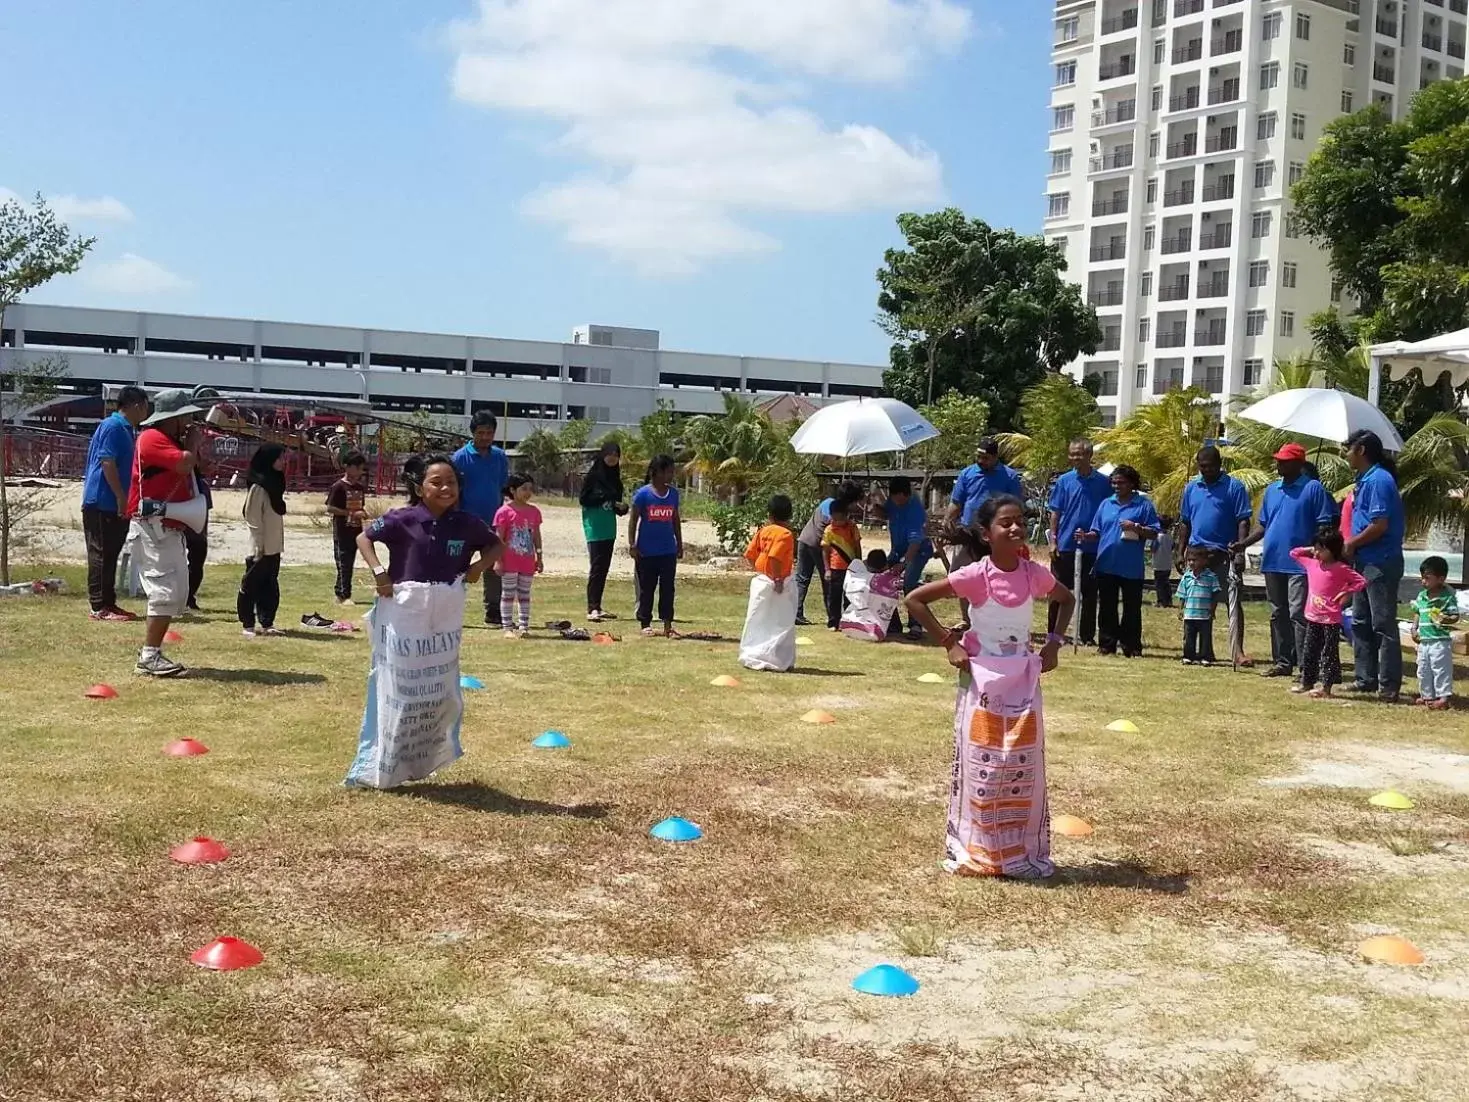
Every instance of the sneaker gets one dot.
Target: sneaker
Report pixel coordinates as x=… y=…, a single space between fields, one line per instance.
x=316 y=620
x=1388 y=698
x=193 y=605
x=121 y=615
x=347 y=602
x=157 y=665
x=1189 y=662
x=1361 y=687
x=496 y=623
x=595 y=616
x=511 y=633
x=915 y=633
x=802 y=622
x=1208 y=662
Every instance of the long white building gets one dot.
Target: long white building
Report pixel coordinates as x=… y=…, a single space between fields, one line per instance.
x=1177 y=130
x=608 y=375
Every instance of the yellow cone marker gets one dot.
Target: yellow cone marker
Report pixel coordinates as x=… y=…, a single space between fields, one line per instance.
x=802 y=641
x=1069 y=826
x=931 y=679
x=724 y=681
x=816 y=715
x=1123 y=726
x=1394 y=801
x=1390 y=950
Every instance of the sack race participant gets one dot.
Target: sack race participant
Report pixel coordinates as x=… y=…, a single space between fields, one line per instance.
x=410 y=727
x=999 y=821
x=769 y=639
x=873 y=592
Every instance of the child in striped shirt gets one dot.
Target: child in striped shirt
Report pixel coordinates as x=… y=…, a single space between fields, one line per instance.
x=1198 y=596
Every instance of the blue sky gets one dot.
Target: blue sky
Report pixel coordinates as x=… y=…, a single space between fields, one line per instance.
x=726 y=171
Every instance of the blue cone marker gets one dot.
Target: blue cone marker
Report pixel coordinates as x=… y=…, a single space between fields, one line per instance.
x=886 y=980
x=467 y=682
x=551 y=740
x=676 y=830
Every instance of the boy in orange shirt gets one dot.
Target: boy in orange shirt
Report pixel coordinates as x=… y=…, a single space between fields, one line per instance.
x=841 y=543
x=769 y=639
x=773 y=550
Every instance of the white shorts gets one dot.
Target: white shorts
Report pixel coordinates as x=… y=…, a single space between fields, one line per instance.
x=163 y=560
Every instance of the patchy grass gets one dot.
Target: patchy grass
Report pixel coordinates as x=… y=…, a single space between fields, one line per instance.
x=508 y=930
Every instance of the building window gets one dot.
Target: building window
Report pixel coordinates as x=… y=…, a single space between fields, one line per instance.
x=1292 y=226
x=1060 y=162
x=1065 y=74
x=1264 y=173
x=1144 y=330
x=1255 y=323
x=1346 y=102
x=1300 y=75
x=1140 y=380
x=1303 y=26
x=1270 y=27
x=1349 y=54
x=1153 y=144
x=1058 y=205
x=1260 y=224
x=1287 y=324
x=1265 y=126
x=1149 y=234
x=1335 y=291
x=1063 y=117
x=1297 y=170
x=1254 y=371
x=1153 y=190
x=1157 y=97
x=1147 y=285
x=1269 y=76
x=1288 y=274
x=1068 y=30
x=1259 y=273
x=1158 y=52
x=1298 y=127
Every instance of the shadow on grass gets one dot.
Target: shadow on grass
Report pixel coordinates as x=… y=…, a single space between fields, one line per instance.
x=255 y=677
x=1121 y=874
x=482 y=797
x=816 y=671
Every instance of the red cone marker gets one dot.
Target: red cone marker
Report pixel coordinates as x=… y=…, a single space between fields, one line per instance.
x=101 y=692
x=200 y=851
x=171 y=636
x=185 y=748
x=227 y=954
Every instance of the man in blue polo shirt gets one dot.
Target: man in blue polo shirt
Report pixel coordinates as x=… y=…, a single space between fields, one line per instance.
x=1294 y=509
x=1072 y=506
x=1215 y=515
x=911 y=547
x=108 y=475
x=984 y=478
x=1376 y=548
x=484 y=469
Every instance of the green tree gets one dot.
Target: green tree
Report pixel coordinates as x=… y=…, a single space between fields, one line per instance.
x=540 y=455
x=977 y=310
x=35 y=248
x=962 y=421
x=1053 y=413
x=732 y=449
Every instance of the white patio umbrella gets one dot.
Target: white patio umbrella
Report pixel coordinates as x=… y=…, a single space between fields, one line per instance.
x=1323 y=413
x=861 y=427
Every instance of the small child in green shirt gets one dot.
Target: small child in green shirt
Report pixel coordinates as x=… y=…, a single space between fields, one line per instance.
x=1435 y=610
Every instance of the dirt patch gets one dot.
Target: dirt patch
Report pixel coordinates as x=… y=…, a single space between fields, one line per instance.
x=895 y=786
x=800 y=805
x=1364 y=765
x=1376 y=859
x=617 y=969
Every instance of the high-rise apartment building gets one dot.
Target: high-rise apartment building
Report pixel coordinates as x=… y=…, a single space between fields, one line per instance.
x=1177 y=130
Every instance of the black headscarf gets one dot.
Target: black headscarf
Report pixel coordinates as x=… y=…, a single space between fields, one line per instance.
x=603 y=484
x=262 y=473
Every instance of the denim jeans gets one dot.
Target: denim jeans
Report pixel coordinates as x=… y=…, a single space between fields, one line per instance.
x=1375 y=645
x=1287 y=595
x=808 y=566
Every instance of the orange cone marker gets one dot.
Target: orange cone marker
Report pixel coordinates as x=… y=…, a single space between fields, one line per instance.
x=1386 y=949
x=1069 y=826
x=227 y=954
x=185 y=748
x=101 y=692
x=816 y=715
x=171 y=636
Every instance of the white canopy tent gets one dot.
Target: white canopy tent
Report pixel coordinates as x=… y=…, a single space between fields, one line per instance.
x=1447 y=352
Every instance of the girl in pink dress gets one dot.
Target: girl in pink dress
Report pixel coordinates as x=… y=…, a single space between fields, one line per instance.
x=999 y=821
x=1330 y=583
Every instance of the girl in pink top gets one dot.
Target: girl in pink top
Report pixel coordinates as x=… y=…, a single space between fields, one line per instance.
x=518 y=524
x=1330 y=582
x=999 y=821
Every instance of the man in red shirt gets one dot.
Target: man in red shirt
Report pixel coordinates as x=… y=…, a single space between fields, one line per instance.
x=163 y=471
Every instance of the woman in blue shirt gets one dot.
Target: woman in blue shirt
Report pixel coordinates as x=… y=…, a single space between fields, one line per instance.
x=1123 y=525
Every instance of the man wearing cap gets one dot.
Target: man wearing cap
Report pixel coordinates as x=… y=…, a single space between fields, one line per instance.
x=1295 y=507
x=164 y=464
x=984 y=478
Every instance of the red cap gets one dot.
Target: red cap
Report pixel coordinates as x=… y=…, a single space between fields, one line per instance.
x=1291 y=451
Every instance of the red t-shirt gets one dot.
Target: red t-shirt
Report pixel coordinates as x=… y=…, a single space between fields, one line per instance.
x=155 y=473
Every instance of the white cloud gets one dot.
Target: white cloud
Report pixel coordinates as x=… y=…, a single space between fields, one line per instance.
x=687 y=113
x=131 y=274
x=72 y=208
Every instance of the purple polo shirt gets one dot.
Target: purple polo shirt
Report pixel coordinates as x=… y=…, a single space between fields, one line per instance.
x=428 y=550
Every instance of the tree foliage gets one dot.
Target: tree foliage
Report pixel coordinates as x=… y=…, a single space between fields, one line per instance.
x=733 y=449
x=977 y=310
x=962 y=421
x=1053 y=413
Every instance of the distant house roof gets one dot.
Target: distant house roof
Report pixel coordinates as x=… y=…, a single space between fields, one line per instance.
x=787 y=407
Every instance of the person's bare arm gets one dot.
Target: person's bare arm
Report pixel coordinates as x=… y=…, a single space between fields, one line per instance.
x=678 y=530
x=109 y=472
x=632 y=531
x=1371 y=534
x=918 y=603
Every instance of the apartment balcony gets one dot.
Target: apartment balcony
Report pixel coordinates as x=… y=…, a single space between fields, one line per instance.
x=1218 y=288
x=1384 y=74
x=1182 y=243
x=1163 y=382
x=1433 y=42
x=1194 y=51
x=1176 y=339
x=1227 y=92
x=1219 y=239
x=1104 y=298
x=1387 y=28
x=1214 y=193
x=1460 y=6
x=1113 y=70
x=1178 y=198
x=1124 y=22
x=1186 y=102
x=1111 y=341
x=1187 y=7
x=1176 y=292
x=1103 y=207
x=1118 y=158
x=1109 y=252
x=1221 y=143
x=1126 y=111
x=1186 y=148
x=1456 y=49
x=1231 y=43
x=1210 y=338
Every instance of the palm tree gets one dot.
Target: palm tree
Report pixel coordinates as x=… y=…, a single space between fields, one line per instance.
x=1054 y=412
x=731 y=450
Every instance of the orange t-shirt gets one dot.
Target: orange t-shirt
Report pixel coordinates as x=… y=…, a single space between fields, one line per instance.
x=773 y=551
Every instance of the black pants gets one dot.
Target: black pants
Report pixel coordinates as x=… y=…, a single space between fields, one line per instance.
x=1063 y=565
x=260 y=591
x=1198 y=640
x=344 y=552
x=600 y=554
x=492 y=598
x=1114 y=634
x=836 y=584
x=808 y=565
x=1321 y=655
x=656 y=572
x=1163 y=583
x=197 y=544
x=105 y=533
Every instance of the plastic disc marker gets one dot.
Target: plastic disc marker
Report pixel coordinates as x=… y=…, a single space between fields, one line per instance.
x=1069 y=826
x=227 y=954
x=1393 y=801
x=1123 y=726
x=676 y=830
x=930 y=679
x=200 y=851
x=101 y=692
x=185 y=748
x=886 y=980
x=471 y=683
x=816 y=715
x=172 y=636
x=802 y=641
x=1390 y=950
x=724 y=681
x=551 y=740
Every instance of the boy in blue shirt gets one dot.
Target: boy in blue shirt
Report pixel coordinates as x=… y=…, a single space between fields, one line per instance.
x=1198 y=598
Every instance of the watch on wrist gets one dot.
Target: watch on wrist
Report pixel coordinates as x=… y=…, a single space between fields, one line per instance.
x=379 y=571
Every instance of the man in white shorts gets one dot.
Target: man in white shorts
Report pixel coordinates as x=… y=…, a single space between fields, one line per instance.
x=163 y=473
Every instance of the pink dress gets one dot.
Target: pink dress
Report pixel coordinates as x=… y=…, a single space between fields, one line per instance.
x=517 y=525
x=1326 y=586
x=999 y=820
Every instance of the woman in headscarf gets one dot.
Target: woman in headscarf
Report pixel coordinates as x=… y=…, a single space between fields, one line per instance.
x=601 y=504
x=265 y=510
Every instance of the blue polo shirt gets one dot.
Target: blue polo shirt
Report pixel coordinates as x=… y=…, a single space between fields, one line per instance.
x=1213 y=512
x=113 y=440
x=1075 y=499
x=1377 y=496
x=482 y=480
x=975 y=484
x=1291 y=514
x=1115 y=555
x=908 y=524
